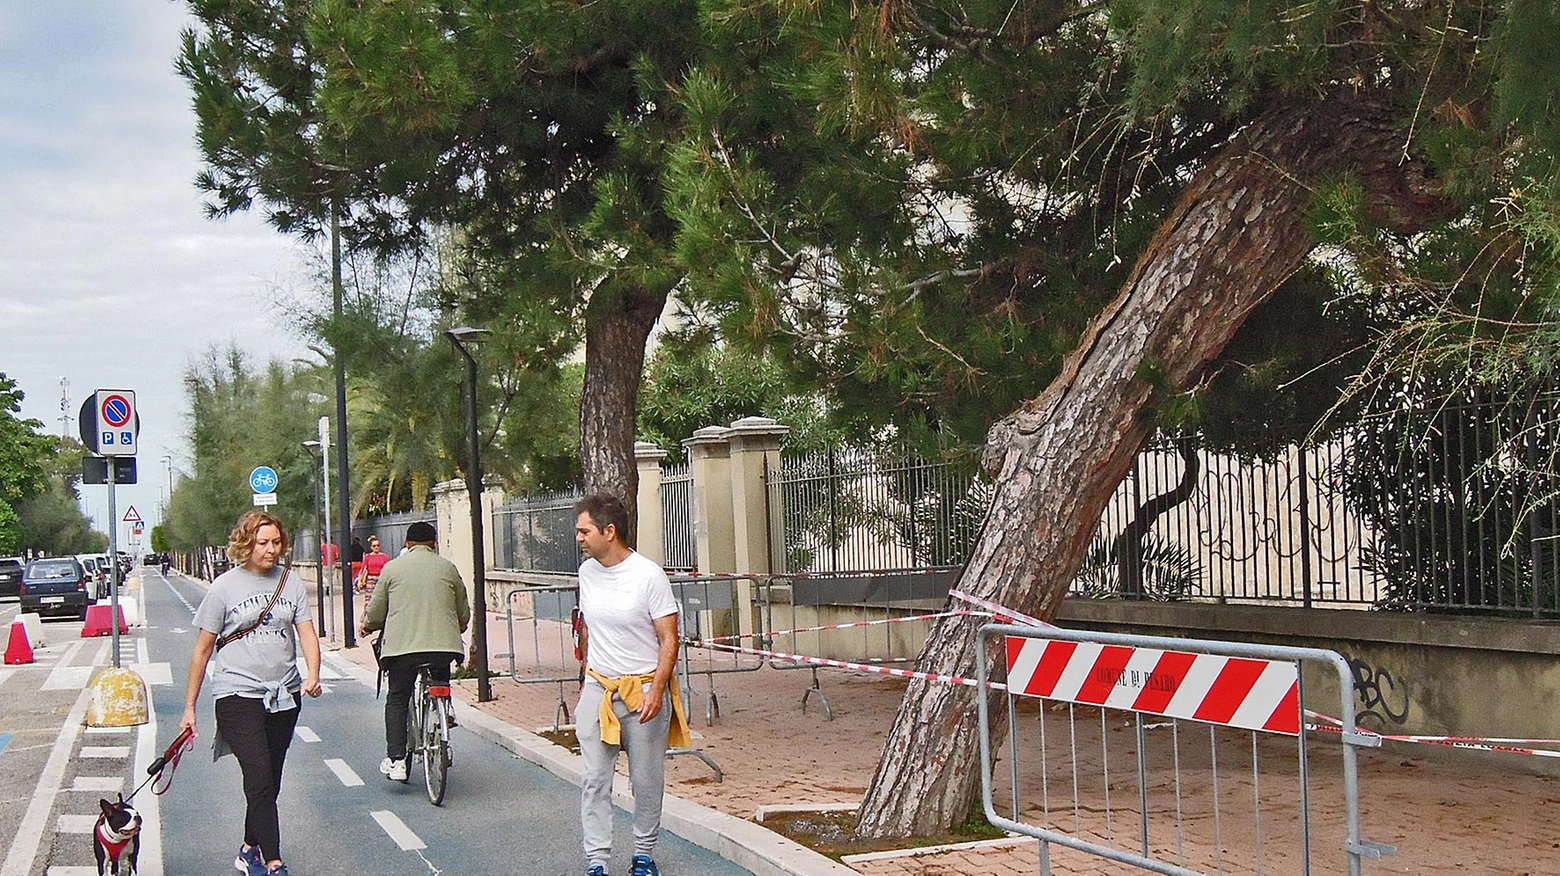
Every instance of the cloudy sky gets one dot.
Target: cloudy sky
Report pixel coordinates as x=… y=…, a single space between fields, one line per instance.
x=110 y=275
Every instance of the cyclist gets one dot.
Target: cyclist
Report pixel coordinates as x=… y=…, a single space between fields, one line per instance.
x=420 y=603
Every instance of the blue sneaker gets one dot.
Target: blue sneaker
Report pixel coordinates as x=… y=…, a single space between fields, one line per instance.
x=596 y=870
x=641 y=865
x=249 y=862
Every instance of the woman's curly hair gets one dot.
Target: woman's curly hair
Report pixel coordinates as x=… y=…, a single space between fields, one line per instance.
x=241 y=541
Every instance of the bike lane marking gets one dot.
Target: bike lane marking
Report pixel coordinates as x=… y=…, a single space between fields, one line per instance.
x=343 y=771
x=397 y=830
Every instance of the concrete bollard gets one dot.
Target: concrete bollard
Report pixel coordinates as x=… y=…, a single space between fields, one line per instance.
x=118 y=699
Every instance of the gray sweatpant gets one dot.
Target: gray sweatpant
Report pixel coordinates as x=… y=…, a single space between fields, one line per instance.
x=646 y=747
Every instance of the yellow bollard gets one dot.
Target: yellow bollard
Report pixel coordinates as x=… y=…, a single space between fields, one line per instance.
x=118 y=699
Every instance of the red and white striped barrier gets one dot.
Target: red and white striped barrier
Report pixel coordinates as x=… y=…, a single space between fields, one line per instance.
x=1232 y=691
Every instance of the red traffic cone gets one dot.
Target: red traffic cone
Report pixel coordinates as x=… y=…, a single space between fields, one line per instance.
x=18 y=650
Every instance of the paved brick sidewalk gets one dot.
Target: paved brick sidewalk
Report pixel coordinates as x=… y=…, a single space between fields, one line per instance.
x=1446 y=815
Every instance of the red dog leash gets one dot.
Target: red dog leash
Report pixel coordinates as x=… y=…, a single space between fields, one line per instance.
x=164 y=767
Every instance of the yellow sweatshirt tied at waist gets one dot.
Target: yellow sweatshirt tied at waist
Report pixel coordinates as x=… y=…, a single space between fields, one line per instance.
x=631 y=690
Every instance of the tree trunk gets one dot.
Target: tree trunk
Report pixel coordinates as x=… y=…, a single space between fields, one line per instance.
x=1237 y=232
x=1129 y=544
x=617 y=325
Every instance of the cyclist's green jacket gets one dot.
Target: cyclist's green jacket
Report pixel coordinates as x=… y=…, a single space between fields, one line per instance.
x=420 y=603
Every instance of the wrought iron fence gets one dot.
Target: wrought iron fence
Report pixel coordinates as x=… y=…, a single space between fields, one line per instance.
x=536 y=533
x=390 y=529
x=677 y=541
x=854 y=509
x=1451 y=509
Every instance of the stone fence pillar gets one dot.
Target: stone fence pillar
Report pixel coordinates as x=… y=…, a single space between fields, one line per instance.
x=648 y=458
x=709 y=462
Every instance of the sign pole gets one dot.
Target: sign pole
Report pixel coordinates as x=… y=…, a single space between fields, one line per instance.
x=113 y=566
x=327 y=569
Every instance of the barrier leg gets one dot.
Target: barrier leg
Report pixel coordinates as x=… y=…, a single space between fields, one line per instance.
x=694 y=752
x=828 y=711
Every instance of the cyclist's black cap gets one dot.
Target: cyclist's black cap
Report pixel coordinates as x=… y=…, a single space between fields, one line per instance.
x=422 y=532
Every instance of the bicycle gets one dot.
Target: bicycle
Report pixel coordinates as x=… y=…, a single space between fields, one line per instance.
x=428 y=733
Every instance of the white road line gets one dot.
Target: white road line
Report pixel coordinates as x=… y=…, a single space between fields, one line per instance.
x=397 y=830
x=153 y=673
x=29 y=834
x=150 y=862
x=71 y=871
x=5 y=674
x=67 y=677
x=98 y=784
x=344 y=772
x=115 y=751
x=101 y=731
x=75 y=823
x=306 y=734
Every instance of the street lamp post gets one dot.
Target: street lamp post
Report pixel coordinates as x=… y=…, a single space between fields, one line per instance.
x=461 y=336
x=319 y=528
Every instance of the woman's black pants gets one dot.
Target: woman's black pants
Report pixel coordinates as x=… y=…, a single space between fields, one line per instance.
x=259 y=740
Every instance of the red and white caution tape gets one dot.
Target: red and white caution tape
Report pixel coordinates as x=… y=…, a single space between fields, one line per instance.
x=998 y=611
x=858 y=667
x=846 y=626
x=1507 y=745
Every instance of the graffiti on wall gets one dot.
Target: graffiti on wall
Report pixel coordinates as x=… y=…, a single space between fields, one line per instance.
x=1379 y=696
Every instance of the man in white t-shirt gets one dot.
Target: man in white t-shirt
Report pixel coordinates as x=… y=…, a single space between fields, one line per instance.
x=629 y=701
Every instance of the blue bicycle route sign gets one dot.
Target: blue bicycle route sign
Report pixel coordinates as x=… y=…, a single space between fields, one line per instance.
x=263 y=479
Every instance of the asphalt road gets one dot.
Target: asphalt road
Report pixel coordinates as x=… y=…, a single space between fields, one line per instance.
x=501 y=814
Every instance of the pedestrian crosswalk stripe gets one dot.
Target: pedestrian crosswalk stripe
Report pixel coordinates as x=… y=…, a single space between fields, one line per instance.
x=306 y=734
x=75 y=823
x=105 y=751
x=71 y=871
x=97 y=784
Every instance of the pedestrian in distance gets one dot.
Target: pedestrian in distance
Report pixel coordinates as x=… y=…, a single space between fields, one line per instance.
x=250 y=626
x=373 y=564
x=420 y=603
x=629 y=699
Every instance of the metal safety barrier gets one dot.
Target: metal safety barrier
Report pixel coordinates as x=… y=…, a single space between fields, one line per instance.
x=549 y=610
x=854 y=616
x=1219 y=781
x=718 y=606
x=546 y=613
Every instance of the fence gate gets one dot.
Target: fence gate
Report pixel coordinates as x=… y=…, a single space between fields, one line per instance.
x=1172 y=755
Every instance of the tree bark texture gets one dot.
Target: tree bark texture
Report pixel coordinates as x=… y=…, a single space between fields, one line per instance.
x=617 y=327
x=1235 y=235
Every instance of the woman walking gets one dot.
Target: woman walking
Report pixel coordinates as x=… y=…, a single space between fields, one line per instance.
x=251 y=623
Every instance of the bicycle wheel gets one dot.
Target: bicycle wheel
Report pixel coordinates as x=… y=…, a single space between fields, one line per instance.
x=436 y=752
x=413 y=729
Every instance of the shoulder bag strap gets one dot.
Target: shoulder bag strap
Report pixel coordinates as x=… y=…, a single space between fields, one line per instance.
x=275 y=595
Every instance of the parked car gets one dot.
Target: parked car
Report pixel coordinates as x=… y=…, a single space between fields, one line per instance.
x=56 y=585
x=97 y=573
x=11 y=569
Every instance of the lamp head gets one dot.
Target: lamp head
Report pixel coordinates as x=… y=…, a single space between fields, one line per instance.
x=465 y=334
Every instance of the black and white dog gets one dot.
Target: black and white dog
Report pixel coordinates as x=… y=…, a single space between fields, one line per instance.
x=116 y=838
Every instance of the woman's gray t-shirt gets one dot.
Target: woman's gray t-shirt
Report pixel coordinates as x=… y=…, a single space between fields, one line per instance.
x=264 y=662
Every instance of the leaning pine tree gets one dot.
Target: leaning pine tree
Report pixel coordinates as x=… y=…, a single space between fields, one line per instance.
x=921 y=233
